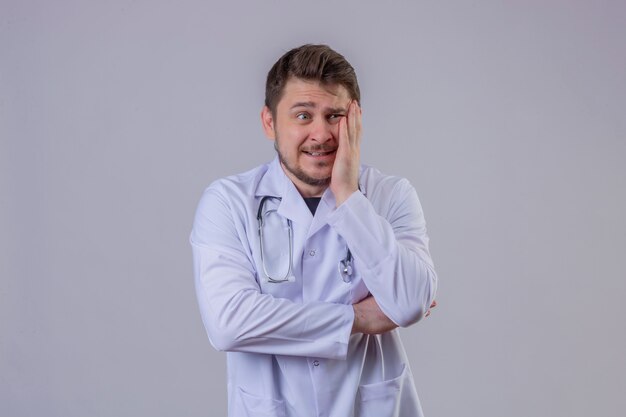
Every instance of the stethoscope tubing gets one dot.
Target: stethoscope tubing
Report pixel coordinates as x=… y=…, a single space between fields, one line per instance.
x=289 y=275
x=345 y=265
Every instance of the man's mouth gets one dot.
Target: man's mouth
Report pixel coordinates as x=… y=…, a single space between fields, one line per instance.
x=319 y=153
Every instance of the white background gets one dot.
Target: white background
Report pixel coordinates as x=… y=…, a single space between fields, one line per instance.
x=508 y=117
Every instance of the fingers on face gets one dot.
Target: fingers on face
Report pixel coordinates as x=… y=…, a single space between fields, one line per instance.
x=350 y=126
x=354 y=121
x=343 y=129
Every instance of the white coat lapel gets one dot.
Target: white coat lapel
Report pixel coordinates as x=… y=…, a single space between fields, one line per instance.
x=293 y=206
x=275 y=183
x=325 y=208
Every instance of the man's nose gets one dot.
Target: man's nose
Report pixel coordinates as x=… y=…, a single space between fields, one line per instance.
x=322 y=131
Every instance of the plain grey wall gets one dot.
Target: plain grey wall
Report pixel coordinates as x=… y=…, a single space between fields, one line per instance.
x=508 y=117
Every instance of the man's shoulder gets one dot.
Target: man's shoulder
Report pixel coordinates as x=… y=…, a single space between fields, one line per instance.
x=378 y=184
x=239 y=184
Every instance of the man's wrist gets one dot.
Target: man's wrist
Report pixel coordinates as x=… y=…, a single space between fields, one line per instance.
x=342 y=197
x=356 y=324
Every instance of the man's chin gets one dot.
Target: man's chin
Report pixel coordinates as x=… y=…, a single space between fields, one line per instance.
x=312 y=177
x=317 y=176
x=318 y=182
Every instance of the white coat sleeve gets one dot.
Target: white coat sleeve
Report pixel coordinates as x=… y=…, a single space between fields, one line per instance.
x=392 y=250
x=236 y=315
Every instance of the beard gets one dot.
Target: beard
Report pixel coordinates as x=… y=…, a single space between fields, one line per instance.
x=299 y=173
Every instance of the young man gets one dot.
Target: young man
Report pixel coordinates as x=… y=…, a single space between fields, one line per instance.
x=305 y=267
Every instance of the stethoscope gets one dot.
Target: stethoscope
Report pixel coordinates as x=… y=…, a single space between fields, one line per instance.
x=345 y=265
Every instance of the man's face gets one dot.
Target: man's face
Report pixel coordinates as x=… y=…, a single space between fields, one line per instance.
x=305 y=128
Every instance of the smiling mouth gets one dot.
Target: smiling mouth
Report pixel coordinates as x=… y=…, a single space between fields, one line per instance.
x=317 y=153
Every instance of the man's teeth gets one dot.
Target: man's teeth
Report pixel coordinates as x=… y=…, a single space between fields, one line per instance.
x=318 y=153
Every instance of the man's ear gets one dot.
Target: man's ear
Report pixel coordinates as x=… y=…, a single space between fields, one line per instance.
x=267 y=120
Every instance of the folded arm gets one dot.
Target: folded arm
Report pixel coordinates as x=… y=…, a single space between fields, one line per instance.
x=391 y=251
x=236 y=315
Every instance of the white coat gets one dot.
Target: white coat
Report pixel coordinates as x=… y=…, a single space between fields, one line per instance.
x=290 y=351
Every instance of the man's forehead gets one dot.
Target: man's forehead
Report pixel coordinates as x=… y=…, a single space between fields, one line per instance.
x=313 y=92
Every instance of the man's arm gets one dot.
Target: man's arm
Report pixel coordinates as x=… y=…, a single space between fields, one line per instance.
x=370 y=319
x=393 y=250
x=236 y=315
x=392 y=255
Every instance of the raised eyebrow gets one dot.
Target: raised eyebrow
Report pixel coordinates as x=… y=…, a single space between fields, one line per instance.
x=312 y=105
x=337 y=110
x=308 y=104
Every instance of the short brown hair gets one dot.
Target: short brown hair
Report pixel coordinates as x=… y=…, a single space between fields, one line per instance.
x=310 y=62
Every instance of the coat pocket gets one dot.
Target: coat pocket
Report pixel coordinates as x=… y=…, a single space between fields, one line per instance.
x=256 y=406
x=381 y=399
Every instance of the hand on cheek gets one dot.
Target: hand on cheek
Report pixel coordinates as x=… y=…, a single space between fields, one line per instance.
x=345 y=174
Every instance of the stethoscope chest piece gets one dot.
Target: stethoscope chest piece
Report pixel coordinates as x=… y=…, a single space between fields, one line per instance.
x=345 y=270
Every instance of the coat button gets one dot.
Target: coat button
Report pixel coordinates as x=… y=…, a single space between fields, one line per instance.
x=316 y=363
x=312 y=252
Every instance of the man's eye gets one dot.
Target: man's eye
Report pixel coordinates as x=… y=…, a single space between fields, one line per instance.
x=302 y=116
x=335 y=116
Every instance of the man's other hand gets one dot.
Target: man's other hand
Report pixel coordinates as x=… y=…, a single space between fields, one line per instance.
x=433 y=305
x=369 y=318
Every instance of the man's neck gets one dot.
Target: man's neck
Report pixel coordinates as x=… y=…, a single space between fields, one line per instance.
x=305 y=190
x=310 y=191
